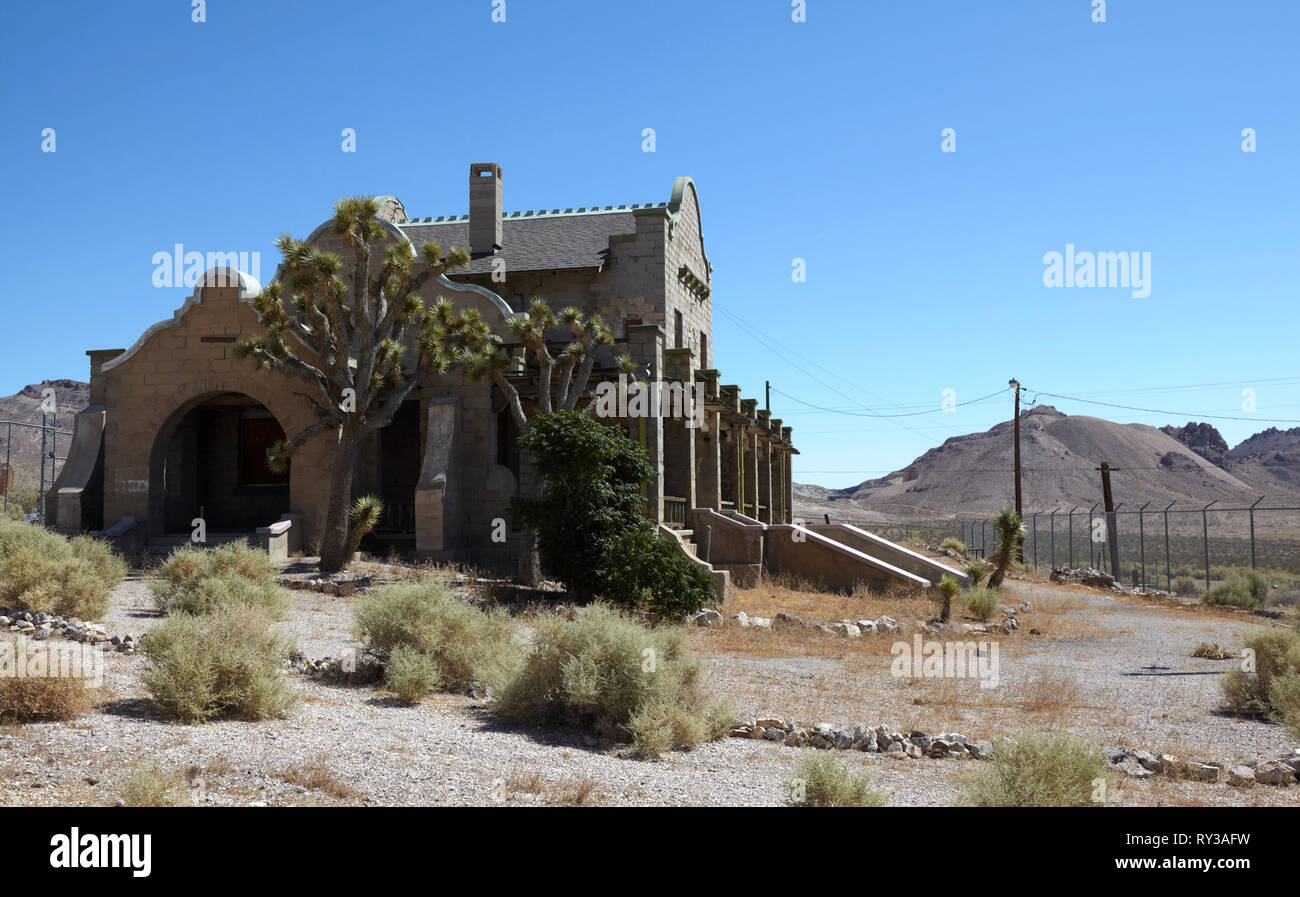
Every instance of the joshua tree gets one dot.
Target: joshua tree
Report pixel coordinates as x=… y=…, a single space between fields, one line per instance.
x=1010 y=529
x=947 y=588
x=356 y=323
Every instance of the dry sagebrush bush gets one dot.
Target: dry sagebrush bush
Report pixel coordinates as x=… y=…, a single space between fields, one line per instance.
x=41 y=571
x=152 y=783
x=466 y=644
x=821 y=779
x=411 y=675
x=224 y=664
x=198 y=581
x=1273 y=689
x=40 y=698
x=981 y=602
x=1039 y=770
x=605 y=672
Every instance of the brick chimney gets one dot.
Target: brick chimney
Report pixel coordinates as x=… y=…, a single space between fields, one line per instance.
x=484 y=208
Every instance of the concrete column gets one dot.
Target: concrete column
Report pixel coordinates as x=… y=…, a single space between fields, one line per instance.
x=645 y=344
x=708 y=461
x=438 y=493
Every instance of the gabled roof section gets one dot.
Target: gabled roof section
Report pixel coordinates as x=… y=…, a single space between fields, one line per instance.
x=537 y=240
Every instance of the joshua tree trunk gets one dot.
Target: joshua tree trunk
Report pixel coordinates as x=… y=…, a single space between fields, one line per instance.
x=334 y=548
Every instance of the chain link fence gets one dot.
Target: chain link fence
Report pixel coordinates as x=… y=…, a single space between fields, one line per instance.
x=22 y=492
x=1156 y=545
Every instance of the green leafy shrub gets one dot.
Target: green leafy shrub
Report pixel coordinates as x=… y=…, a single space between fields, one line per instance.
x=1277 y=662
x=1284 y=701
x=953 y=544
x=1185 y=585
x=411 y=675
x=1245 y=590
x=152 y=783
x=821 y=779
x=201 y=580
x=464 y=643
x=590 y=522
x=41 y=571
x=1038 y=770
x=224 y=664
x=976 y=570
x=981 y=602
x=605 y=672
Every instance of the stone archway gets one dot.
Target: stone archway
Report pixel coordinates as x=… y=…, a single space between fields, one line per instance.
x=208 y=460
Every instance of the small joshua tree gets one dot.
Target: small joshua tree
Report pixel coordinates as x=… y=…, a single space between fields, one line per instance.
x=947 y=588
x=1010 y=529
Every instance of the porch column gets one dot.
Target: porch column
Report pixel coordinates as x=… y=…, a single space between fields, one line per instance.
x=438 y=512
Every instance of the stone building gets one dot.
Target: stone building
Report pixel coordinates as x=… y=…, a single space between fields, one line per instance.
x=177 y=429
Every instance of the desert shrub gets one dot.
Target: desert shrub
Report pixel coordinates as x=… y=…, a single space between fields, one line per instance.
x=976 y=570
x=411 y=674
x=1284 y=701
x=1185 y=585
x=1245 y=590
x=1277 y=656
x=32 y=698
x=223 y=664
x=590 y=523
x=466 y=644
x=607 y=673
x=152 y=783
x=821 y=779
x=1211 y=651
x=41 y=571
x=200 y=580
x=1037 y=770
x=953 y=544
x=981 y=602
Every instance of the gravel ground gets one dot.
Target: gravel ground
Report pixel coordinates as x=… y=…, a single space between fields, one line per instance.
x=1136 y=684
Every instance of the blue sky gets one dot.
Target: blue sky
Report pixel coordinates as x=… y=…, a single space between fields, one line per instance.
x=818 y=140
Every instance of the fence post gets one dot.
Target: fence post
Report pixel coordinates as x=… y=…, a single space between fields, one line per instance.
x=1035 y=540
x=1142 y=542
x=1205 y=540
x=40 y=499
x=1252 y=531
x=1169 y=581
x=1072 y=510
x=1052 y=523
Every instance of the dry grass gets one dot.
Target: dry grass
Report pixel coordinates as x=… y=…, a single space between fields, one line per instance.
x=574 y=793
x=318 y=777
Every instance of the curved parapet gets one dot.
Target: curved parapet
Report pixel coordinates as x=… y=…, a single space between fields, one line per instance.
x=220 y=276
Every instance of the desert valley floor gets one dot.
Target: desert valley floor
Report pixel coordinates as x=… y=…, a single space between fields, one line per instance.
x=1115 y=669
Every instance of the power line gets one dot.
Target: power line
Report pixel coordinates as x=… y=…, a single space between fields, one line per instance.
x=1188 y=414
x=875 y=414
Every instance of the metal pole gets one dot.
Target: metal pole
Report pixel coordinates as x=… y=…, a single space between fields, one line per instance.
x=40 y=500
x=1091 y=550
x=1252 y=531
x=1169 y=581
x=1142 y=540
x=1035 y=540
x=1205 y=540
x=9 y=442
x=1072 y=510
x=1052 y=522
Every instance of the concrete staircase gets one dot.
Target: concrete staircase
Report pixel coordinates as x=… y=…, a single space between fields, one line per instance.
x=836 y=556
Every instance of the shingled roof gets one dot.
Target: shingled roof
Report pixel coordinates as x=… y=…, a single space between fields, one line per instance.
x=535 y=241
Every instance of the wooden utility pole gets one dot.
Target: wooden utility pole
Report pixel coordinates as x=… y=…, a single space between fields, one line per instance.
x=1015 y=417
x=1112 y=534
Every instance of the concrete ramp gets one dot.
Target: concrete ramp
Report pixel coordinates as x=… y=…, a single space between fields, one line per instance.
x=890 y=552
x=747 y=548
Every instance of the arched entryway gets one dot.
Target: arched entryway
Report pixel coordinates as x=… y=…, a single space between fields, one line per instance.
x=209 y=460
